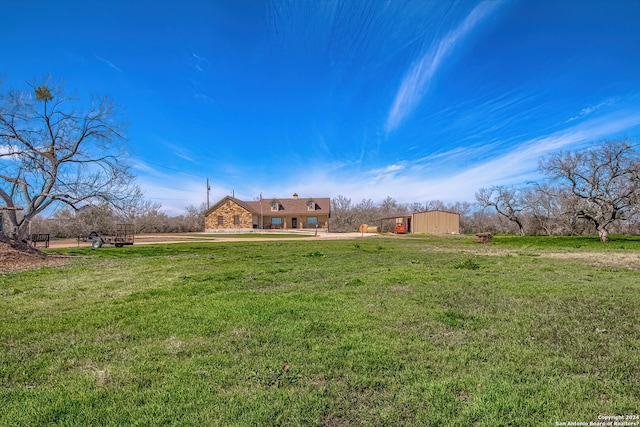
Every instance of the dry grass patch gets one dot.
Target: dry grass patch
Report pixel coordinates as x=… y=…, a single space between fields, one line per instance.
x=102 y=377
x=629 y=261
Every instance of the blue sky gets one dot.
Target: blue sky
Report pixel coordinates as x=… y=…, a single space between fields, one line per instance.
x=417 y=100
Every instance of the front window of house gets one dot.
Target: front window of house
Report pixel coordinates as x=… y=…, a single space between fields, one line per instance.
x=276 y=221
x=312 y=220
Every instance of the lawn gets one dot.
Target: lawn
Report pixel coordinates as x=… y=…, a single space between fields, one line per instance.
x=374 y=331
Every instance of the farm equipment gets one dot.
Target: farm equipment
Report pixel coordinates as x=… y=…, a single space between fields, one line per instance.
x=400 y=228
x=123 y=236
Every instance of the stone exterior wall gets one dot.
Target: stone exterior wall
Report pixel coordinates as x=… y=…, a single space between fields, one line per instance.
x=228 y=209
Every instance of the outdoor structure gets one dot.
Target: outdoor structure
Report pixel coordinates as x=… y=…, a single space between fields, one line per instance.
x=428 y=222
x=436 y=222
x=231 y=214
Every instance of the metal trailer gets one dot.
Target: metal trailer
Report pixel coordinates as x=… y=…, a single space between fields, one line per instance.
x=123 y=236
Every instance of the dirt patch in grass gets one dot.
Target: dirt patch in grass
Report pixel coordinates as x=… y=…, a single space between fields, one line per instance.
x=18 y=256
x=604 y=258
x=629 y=261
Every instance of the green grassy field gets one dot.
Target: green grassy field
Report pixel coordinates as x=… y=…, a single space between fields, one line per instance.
x=404 y=331
x=256 y=235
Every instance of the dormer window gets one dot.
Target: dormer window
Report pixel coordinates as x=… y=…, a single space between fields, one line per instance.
x=274 y=205
x=311 y=205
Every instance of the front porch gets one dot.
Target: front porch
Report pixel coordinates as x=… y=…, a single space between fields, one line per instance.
x=294 y=223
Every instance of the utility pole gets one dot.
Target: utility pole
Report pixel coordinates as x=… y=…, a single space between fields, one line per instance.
x=208 y=189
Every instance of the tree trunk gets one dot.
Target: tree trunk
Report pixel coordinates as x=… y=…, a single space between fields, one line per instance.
x=520 y=225
x=604 y=234
x=19 y=233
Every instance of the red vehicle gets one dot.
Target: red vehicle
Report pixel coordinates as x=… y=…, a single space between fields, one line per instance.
x=401 y=228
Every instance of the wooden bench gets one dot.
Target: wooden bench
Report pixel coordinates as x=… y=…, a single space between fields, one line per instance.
x=40 y=238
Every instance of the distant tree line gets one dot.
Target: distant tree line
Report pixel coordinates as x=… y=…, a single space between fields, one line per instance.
x=146 y=216
x=57 y=151
x=347 y=216
x=593 y=191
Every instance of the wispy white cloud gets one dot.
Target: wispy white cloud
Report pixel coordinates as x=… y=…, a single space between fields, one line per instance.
x=199 y=62
x=143 y=167
x=199 y=91
x=202 y=97
x=6 y=151
x=198 y=57
x=516 y=166
x=396 y=167
x=176 y=194
x=588 y=110
x=177 y=150
x=109 y=63
x=407 y=181
x=416 y=81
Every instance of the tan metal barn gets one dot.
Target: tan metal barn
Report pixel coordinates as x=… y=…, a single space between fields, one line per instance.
x=435 y=222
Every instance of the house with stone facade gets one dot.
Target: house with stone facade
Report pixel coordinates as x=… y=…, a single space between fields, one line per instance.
x=296 y=213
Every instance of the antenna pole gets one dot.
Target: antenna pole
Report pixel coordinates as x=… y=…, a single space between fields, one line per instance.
x=208 y=189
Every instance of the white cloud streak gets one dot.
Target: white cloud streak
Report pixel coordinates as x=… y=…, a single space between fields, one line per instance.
x=588 y=110
x=178 y=151
x=199 y=62
x=109 y=63
x=405 y=180
x=515 y=167
x=174 y=200
x=416 y=81
x=6 y=151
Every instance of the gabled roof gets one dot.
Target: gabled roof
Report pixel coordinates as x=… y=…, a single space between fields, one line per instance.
x=225 y=199
x=294 y=206
x=299 y=206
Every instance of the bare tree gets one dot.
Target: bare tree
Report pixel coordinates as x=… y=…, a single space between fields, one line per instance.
x=389 y=207
x=342 y=215
x=193 y=220
x=506 y=201
x=603 y=182
x=464 y=209
x=544 y=206
x=365 y=212
x=55 y=150
x=415 y=207
x=435 y=205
